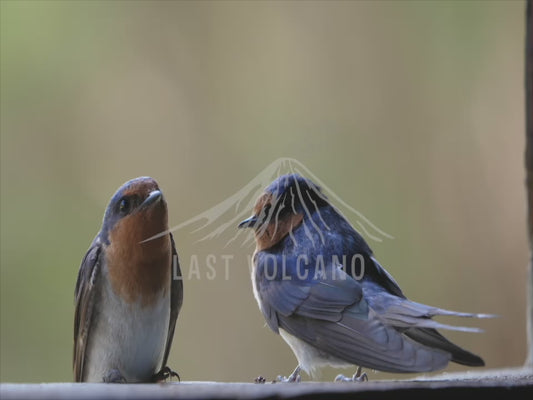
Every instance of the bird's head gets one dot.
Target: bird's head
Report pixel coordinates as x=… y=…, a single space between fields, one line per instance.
x=137 y=269
x=285 y=203
x=138 y=208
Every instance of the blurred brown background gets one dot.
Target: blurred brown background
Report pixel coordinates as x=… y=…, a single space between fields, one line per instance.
x=411 y=112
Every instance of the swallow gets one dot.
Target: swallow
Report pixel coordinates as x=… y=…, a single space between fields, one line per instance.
x=319 y=286
x=129 y=291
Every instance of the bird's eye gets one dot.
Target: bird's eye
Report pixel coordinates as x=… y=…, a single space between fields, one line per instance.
x=124 y=206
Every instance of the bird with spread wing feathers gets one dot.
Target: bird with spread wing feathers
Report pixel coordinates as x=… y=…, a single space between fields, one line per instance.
x=320 y=287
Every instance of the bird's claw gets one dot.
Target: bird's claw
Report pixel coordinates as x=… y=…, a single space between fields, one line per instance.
x=359 y=376
x=292 y=378
x=114 y=376
x=165 y=374
x=259 y=379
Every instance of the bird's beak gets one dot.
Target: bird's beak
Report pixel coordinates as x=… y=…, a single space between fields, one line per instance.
x=249 y=222
x=152 y=198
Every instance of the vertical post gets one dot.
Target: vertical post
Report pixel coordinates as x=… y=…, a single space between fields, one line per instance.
x=529 y=170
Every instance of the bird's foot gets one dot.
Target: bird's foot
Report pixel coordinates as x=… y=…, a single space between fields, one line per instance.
x=165 y=374
x=359 y=376
x=292 y=378
x=113 y=376
x=259 y=379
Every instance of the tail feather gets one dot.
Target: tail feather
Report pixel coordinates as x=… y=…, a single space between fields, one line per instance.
x=431 y=338
x=434 y=311
x=413 y=322
x=414 y=309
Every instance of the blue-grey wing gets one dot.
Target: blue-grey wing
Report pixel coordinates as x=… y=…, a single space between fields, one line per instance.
x=329 y=311
x=289 y=289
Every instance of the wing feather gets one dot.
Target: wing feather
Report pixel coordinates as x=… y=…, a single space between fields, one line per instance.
x=329 y=311
x=323 y=294
x=176 y=298
x=85 y=296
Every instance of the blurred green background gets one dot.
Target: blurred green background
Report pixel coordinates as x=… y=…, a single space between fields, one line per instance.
x=411 y=112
